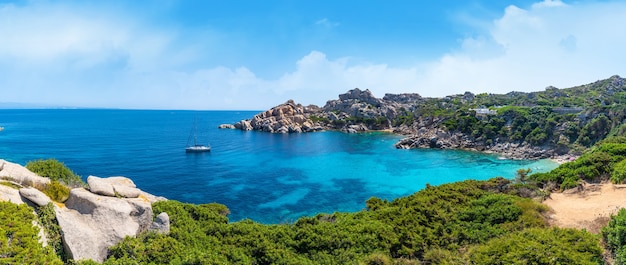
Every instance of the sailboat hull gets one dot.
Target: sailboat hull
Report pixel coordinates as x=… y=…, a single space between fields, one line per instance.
x=198 y=149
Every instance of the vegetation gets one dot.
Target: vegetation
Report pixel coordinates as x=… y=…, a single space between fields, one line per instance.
x=57 y=191
x=436 y=225
x=47 y=219
x=614 y=235
x=606 y=161
x=540 y=246
x=565 y=120
x=19 y=237
x=55 y=170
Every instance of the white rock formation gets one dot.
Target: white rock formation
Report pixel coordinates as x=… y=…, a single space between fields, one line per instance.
x=21 y=175
x=92 y=223
x=99 y=186
x=10 y=194
x=35 y=196
x=120 y=181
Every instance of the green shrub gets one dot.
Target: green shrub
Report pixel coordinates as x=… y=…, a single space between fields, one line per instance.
x=540 y=246
x=10 y=184
x=55 y=170
x=47 y=219
x=377 y=259
x=19 y=237
x=614 y=235
x=57 y=191
x=619 y=172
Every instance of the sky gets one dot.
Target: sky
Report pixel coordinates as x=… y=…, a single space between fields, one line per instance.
x=253 y=55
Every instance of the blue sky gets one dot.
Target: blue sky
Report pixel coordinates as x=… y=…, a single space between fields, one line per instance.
x=257 y=54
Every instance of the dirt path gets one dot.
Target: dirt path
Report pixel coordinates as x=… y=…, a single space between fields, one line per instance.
x=589 y=208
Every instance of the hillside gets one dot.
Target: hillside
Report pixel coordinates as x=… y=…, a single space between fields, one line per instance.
x=551 y=123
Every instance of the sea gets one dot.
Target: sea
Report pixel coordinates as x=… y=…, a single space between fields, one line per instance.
x=268 y=178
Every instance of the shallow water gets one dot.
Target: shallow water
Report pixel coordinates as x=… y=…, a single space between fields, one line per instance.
x=270 y=178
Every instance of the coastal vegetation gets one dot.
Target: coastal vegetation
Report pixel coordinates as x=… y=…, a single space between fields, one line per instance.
x=470 y=222
x=19 y=237
x=55 y=171
x=605 y=161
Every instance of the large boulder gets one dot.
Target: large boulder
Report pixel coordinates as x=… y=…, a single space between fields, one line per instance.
x=100 y=186
x=120 y=181
x=35 y=196
x=91 y=223
x=126 y=192
x=11 y=195
x=21 y=175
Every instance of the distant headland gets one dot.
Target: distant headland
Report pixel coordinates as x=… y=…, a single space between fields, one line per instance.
x=555 y=123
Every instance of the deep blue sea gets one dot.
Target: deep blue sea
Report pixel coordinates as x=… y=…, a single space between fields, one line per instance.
x=269 y=178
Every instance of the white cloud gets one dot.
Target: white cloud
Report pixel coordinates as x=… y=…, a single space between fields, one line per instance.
x=73 y=56
x=549 y=44
x=325 y=22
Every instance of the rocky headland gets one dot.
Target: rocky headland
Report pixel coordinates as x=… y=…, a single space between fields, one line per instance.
x=91 y=220
x=555 y=123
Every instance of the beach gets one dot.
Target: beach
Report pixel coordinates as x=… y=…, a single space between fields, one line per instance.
x=588 y=208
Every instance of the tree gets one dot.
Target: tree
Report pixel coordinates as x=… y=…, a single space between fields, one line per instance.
x=521 y=176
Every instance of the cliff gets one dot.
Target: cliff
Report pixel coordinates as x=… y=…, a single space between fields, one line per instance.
x=551 y=123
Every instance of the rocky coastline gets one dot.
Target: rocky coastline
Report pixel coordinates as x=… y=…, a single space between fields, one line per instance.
x=359 y=111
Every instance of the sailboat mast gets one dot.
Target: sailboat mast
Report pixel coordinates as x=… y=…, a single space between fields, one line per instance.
x=195 y=131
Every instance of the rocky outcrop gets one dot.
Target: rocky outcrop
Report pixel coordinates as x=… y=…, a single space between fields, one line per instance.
x=161 y=224
x=21 y=175
x=285 y=118
x=113 y=186
x=92 y=223
x=99 y=186
x=35 y=196
x=440 y=139
x=354 y=111
x=226 y=126
x=11 y=195
x=361 y=105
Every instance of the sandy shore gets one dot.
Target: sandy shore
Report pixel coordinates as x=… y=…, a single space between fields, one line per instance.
x=589 y=208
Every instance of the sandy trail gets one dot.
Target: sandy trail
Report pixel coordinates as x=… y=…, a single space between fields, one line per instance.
x=589 y=208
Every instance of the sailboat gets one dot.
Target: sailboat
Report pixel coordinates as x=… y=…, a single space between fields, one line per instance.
x=195 y=147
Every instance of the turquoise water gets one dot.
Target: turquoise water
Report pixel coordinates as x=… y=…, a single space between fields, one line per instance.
x=269 y=178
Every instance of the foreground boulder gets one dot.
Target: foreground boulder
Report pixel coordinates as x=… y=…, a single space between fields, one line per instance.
x=35 y=196
x=21 y=175
x=92 y=223
x=113 y=186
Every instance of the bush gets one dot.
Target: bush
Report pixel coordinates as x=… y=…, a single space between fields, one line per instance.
x=18 y=237
x=540 y=246
x=614 y=235
x=47 y=219
x=377 y=259
x=57 y=191
x=55 y=170
x=619 y=172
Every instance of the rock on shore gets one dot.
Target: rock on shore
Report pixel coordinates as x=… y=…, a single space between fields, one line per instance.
x=440 y=139
x=288 y=117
